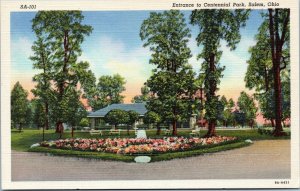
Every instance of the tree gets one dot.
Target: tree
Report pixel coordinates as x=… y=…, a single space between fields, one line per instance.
x=153 y=118
x=133 y=117
x=75 y=111
x=116 y=117
x=267 y=105
x=269 y=61
x=239 y=117
x=142 y=98
x=42 y=60
x=18 y=105
x=84 y=122
x=64 y=33
x=39 y=117
x=108 y=91
x=227 y=114
x=215 y=25
x=247 y=106
x=279 y=20
x=172 y=82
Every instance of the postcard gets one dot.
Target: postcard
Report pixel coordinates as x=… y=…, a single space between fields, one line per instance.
x=122 y=94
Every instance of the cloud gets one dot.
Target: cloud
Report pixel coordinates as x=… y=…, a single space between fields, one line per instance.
x=111 y=56
x=22 y=46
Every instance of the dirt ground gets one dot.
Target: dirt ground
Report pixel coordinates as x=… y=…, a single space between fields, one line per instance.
x=269 y=159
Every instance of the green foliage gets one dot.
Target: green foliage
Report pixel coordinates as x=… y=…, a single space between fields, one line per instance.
x=84 y=122
x=145 y=91
x=267 y=101
x=116 y=117
x=240 y=117
x=18 y=105
x=259 y=73
x=227 y=115
x=214 y=26
x=172 y=83
x=56 y=52
x=247 y=106
x=152 y=118
x=133 y=117
x=106 y=92
x=39 y=117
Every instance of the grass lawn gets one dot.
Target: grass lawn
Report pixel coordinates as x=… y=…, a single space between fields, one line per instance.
x=21 y=141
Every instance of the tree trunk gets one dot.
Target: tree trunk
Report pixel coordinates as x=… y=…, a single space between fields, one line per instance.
x=211 y=129
x=276 y=49
x=20 y=127
x=272 y=122
x=127 y=130
x=158 y=129
x=211 y=95
x=72 y=131
x=174 y=132
x=278 y=102
x=59 y=128
x=46 y=113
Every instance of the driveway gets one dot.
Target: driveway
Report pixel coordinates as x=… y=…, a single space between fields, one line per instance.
x=269 y=159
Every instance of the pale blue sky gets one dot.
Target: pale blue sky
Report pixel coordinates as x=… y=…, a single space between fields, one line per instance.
x=115 y=47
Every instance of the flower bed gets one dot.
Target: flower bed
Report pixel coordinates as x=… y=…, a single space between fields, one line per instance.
x=131 y=146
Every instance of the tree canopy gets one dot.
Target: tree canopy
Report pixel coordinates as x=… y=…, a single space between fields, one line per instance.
x=107 y=91
x=215 y=25
x=116 y=117
x=172 y=82
x=18 y=105
x=60 y=35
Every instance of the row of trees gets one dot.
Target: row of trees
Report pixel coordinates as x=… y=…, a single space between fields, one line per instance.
x=173 y=83
x=268 y=71
x=32 y=113
x=63 y=80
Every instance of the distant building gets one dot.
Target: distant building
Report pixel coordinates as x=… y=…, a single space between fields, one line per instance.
x=97 y=117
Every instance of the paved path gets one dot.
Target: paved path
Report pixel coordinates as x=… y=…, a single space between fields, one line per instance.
x=264 y=159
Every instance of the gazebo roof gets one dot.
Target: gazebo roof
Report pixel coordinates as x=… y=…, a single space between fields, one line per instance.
x=137 y=107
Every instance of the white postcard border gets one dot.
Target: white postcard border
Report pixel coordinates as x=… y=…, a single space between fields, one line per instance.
x=87 y=5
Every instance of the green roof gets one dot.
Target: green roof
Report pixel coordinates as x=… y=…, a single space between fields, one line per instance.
x=140 y=108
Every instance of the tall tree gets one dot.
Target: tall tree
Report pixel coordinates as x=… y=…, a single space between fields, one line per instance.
x=215 y=25
x=247 y=106
x=167 y=35
x=18 y=105
x=65 y=33
x=106 y=92
x=279 y=20
x=42 y=61
x=269 y=61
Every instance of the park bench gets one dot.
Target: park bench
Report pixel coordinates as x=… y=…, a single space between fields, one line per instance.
x=195 y=132
x=96 y=132
x=115 y=132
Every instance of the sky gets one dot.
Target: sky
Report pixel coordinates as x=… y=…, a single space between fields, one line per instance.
x=115 y=47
